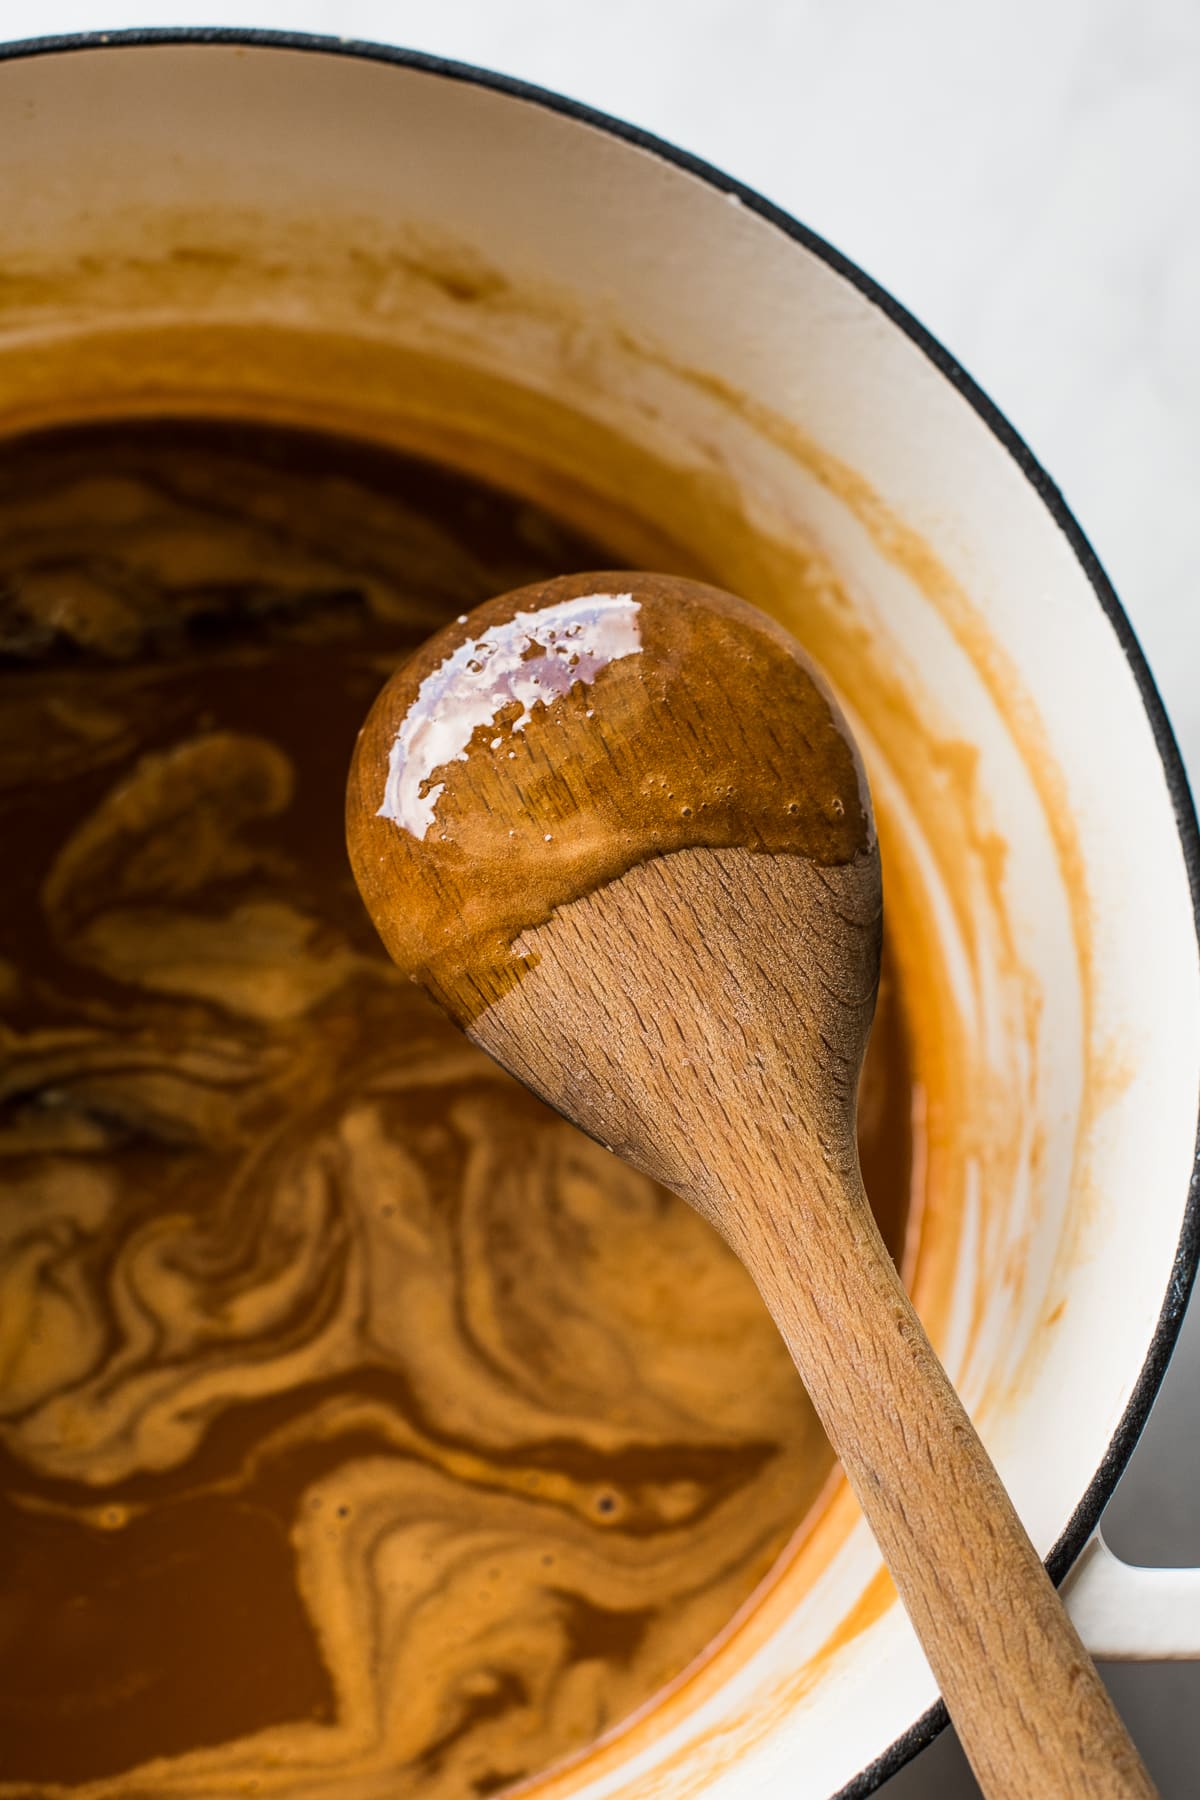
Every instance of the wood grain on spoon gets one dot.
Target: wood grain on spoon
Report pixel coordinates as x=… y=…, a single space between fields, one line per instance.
x=618 y=827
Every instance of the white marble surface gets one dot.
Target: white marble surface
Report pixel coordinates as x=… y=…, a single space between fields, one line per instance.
x=1026 y=178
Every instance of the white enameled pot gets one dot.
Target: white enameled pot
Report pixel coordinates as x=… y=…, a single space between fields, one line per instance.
x=428 y=254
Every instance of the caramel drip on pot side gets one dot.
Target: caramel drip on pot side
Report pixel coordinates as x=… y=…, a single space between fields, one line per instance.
x=559 y=736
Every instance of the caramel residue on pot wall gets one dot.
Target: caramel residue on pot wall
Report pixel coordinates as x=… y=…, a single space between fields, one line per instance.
x=912 y=554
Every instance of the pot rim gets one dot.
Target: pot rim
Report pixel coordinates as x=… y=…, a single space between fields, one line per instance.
x=1187 y=1254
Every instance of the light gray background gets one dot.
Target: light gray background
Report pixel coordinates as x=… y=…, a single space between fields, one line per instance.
x=1025 y=176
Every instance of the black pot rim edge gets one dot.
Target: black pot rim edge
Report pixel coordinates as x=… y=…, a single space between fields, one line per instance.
x=1087 y=1514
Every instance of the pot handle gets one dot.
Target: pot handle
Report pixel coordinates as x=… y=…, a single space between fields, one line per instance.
x=1128 y=1614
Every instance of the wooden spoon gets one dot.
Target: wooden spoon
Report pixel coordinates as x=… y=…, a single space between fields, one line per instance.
x=618 y=828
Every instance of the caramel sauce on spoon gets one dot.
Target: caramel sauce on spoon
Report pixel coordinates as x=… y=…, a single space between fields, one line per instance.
x=561 y=735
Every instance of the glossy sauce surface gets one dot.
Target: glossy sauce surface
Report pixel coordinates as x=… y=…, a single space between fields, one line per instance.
x=364 y=1430
x=561 y=735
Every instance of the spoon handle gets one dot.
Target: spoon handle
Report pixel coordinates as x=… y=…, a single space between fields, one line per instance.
x=1031 y=1711
x=706 y=1016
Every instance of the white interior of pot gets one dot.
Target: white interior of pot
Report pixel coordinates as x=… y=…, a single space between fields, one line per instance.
x=320 y=193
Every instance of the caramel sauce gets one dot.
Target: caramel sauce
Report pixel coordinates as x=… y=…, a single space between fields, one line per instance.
x=559 y=736
x=363 y=1427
